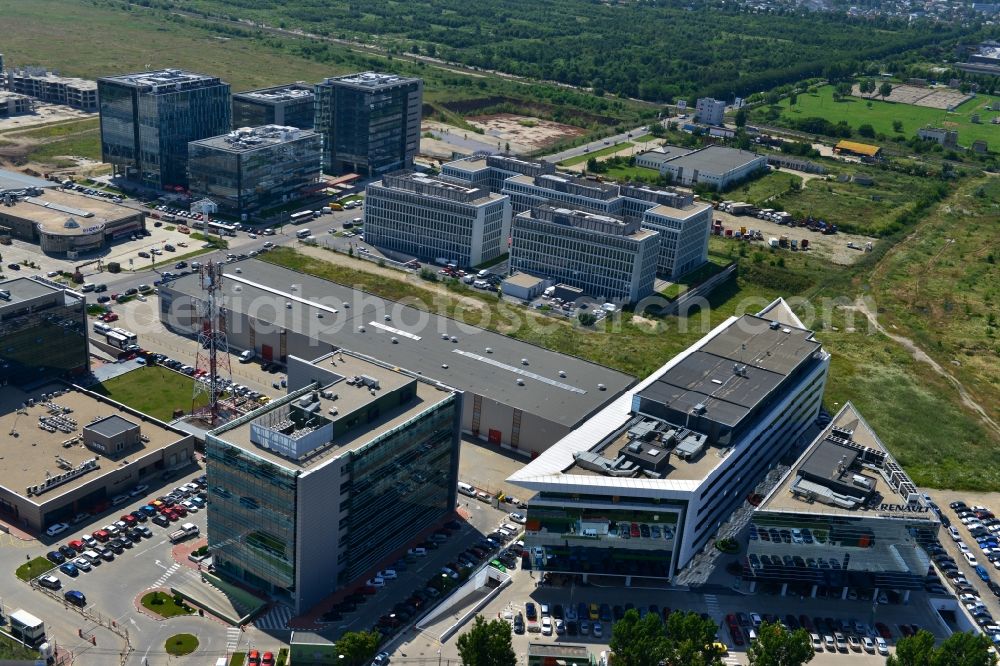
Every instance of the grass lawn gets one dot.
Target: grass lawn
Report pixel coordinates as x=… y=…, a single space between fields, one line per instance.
x=166 y=606
x=238 y=659
x=34 y=568
x=56 y=130
x=181 y=644
x=880 y=115
x=154 y=390
x=83 y=144
x=767 y=187
x=603 y=152
x=11 y=649
x=632 y=173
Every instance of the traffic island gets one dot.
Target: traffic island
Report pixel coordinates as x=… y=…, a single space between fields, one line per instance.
x=34 y=568
x=179 y=645
x=165 y=605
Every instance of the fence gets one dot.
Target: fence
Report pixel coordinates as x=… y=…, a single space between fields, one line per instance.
x=97 y=618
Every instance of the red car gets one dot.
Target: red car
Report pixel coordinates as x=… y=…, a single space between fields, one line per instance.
x=267 y=659
x=179 y=510
x=736 y=633
x=634 y=530
x=101 y=535
x=77 y=545
x=253 y=658
x=883 y=630
x=129 y=520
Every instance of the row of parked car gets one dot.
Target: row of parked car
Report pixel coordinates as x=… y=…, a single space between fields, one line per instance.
x=89 y=191
x=89 y=550
x=827 y=634
x=984 y=527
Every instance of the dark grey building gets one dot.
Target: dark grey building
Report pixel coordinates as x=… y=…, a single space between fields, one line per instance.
x=148 y=119
x=43 y=332
x=370 y=122
x=251 y=169
x=291 y=105
x=314 y=490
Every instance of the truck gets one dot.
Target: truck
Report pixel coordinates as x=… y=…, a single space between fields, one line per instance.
x=27 y=628
x=186 y=531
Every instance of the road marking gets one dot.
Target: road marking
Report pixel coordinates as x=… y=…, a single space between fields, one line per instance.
x=156 y=545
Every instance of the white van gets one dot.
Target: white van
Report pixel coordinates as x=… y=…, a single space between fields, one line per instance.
x=246 y=356
x=466 y=489
x=101 y=327
x=303 y=233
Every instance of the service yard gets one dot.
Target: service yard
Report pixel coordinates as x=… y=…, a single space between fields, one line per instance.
x=524 y=133
x=833 y=248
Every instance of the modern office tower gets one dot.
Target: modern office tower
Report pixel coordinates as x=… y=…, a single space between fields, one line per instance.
x=370 y=122
x=604 y=256
x=321 y=486
x=291 y=105
x=436 y=218
x=148 y=119
x=44 y=333
x=250 y=169
x=641 y=487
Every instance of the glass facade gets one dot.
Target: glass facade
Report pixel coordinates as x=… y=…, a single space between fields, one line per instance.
x=251 y=521
x=838 y=551
x=256 y=112
x=246 y=181
x=400 y=485
x=146 y=127
x=40 y=341
x=369 y=128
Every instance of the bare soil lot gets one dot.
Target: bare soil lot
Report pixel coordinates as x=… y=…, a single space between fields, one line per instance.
x=833 y=248
x=524 y=133
x=934 y=98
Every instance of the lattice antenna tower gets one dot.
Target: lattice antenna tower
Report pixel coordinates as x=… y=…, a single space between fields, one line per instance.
x=213 y=348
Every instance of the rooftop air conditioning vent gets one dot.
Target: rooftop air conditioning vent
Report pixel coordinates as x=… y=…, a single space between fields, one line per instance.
x=489 y=350
x=775 y=325
x=520 y=382
x=700 y=408
x=562 y=373
x=602 y=387
x=524 y=361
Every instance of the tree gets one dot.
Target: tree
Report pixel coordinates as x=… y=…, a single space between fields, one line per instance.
x=741 y=117
x=587 y=318
x=964 y=649
x=638 y=642
x=793 y=99
x=897 y=125
x=866 y=130
x=885 y=90
x=844 y=88
x=867 y=86
x=487 y=644
x=916 y=650
x=690 y=641
x=358 y=646
x=776 y=646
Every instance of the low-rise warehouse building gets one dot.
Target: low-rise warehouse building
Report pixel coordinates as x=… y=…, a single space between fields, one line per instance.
x=517 y=395
x=844 y=516
x=715 y=166
x=862 y=150
x=70 y=451
x=61 y=222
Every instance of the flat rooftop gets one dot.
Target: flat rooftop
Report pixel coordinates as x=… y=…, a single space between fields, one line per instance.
x=369 y=80
x=81 y=84
x=247 y=139
x=111 y=426
x=715 y=159
x=864 y=455
x=59 y=212
x=26 y=458
x=163 y=80
x=440 y=187
x=13 y=180
x=469 y=164
x=465 y=364
x=348 y=400
x=21 y=289
x=523 y=280
x=765 y=355
x=285 y=93
x=673 y=212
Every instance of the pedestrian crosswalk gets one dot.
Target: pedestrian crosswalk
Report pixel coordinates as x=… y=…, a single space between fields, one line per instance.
x=712 y=606
x=232 y=638
x=161 y=581
x=276 y=617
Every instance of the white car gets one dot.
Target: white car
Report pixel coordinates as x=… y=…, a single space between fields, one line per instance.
x=518 y=518
x=388 y=574
x=971 y=559
x=57 y=529
x=546 y=626
x=817 y=642
x=969 y=598
x=756 y=619
x=377 y=581
x=82 y=563
x=881 y=646
x=868 y=645
x=962 y=547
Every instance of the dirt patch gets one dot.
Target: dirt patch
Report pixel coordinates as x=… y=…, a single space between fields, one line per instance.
x=934 y=98
x=643 y=321
x=524 y=133
x=834 y=247
x=44 y=114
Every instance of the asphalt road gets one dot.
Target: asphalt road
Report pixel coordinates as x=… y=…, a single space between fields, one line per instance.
x=598 y=145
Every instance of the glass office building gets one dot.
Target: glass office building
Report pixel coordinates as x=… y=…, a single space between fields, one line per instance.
x=148 y=119
x=316 y=490
x=290 y=105
x=251 y=169
x=43 y=332
x=844 y=518
x=370 y=122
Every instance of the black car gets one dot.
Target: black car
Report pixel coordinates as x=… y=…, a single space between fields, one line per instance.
x=55 y=557
x=557 y=611
x=161 y=520
x=518 y=624
x=134 y=534
x=139 y=516
x=107 y=554
x=67 y=552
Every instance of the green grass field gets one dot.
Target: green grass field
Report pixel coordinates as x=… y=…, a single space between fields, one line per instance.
x=11 y=649
x=767 y=187
x=632 y=173
x=181 y=644
x=56 y=130
x=155 y=390
x=603 y=152
x=33 y=568
x=163 y=605
x=85 y=144
x=856 y=112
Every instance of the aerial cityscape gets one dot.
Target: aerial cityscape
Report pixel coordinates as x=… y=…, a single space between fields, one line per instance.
x=619 y=333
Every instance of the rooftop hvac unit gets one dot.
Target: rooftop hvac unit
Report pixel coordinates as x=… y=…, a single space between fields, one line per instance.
x=562 y=373
x=635 y=447
x=775 y=325
x=862 y=481
x=602 y=387
x=524 y=361
x=699 y=408
x=520 y=382
x=489 y=350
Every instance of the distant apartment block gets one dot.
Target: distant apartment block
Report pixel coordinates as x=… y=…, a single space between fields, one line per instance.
x=148 y=119
x=290 y=105
x=370 y=122
x=436 y=218
x=14 y=104
x=250 y=169
x=945 y=137
x=709 y=111
x=717 y=167
x=48 y=87
x=606 y=257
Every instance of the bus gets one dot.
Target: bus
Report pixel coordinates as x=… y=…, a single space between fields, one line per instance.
x=121 y=338
x=222 y=228
x=301 y=216
x=27 y=628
